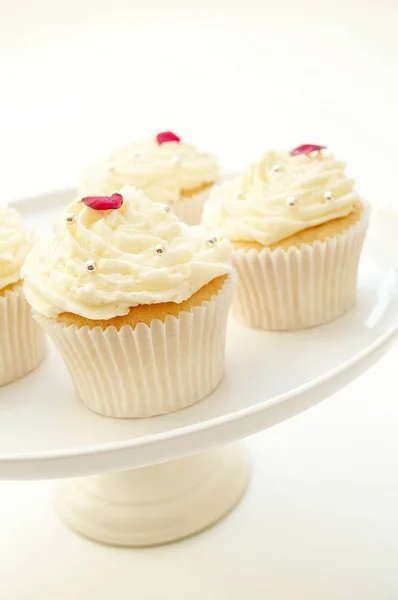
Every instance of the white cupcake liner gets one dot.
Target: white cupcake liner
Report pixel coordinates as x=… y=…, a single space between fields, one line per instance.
x=22 y=342
x=147 y=371
x=302 y=287
x=189 y=210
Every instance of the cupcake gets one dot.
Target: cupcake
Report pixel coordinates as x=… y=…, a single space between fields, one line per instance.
x=167 y=169
x=297 y=226
x=136 y=302
x=22 y=342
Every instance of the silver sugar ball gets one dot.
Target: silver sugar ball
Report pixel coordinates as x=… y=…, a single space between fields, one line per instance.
x=91 y=266
x=328 y=196
x=239 y=195
x=275 y=168
x=160 y=249
x=176 y=160
x=291 y=202
x=70 y=218
x=166 y=208
x=212 y=241
x=136 y=154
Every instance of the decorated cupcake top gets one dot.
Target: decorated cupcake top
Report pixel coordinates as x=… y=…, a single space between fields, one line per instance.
x=163 y=166
x=15 y=242
x=281 y=195
x=107 y=254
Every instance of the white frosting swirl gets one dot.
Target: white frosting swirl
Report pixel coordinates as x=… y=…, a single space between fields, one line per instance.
x=161 y=170
x=130 y=272
x=15 y=243
x=255 y=208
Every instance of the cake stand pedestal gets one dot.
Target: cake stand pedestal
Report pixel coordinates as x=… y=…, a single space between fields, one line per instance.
x=157 y=504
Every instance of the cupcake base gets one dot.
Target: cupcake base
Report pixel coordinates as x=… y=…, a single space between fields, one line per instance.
x=190 y=207
x=22 y=342
x=285 y=289
x=157 y=504
x=146 y=370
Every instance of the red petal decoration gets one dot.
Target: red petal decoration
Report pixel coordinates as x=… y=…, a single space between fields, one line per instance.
x=103 y=202
x=167 y=136
x=306 y=149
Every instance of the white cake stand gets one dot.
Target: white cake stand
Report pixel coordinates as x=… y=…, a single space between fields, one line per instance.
x=152 y=481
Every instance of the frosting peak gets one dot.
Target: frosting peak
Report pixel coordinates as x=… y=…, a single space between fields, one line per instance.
x=15 y=242
x=162 y=170
x=279 y=196
x=101 y=263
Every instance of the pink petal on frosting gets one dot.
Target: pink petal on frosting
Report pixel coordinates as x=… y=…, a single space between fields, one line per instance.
x=167 y=136
x=103 y=202
x=306 y=149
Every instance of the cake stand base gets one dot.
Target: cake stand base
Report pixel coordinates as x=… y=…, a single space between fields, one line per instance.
x=157 y=504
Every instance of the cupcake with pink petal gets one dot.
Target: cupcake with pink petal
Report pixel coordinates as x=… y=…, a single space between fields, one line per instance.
x=135 y=301
x=297 y=225
x=165 y=167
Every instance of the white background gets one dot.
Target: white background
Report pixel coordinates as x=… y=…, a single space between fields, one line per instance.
x=80 y=77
